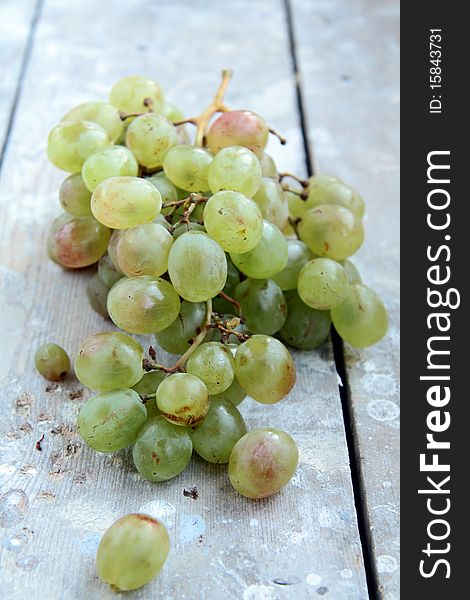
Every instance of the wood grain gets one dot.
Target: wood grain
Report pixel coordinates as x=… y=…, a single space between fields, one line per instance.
x=349 y=57
x=16 y=21
x=223 y=546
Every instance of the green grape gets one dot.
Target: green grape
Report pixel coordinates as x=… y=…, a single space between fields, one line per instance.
x=234 y=393
x=165 y=187
x=102 y=113
x=52 y=362
x=162 y=450
x=187 y=167
x=75 y=197
x=328 y=190
x=70 y=143
x=75 y=242
x=97 y=293
x=109 y=361
x=130 y=94
x=262 y=462
x=265 y=369
x=122 y=202
x=233 y=277
x=298 y=255
x=150 y=137
x=160 y=220
x=111 y=420
x=183 y=399
x=172 y=112
x=238 y=128
x=305 y=328
x=144 y=250
x=361 y=318
x=351 y=271
x=112 y=246
x=332 y=231
x=263 y=305
x=143 y=304
x=322 y=283
x=213 y=363
x=197 y=266
x=266 y=259
x=176 y=338
x=237 y=169
x=268 y=166
x=149 y=383
x=222 y=427
x=234 y=221
x=107 y=272
x=272 y=202
x=297 y=205
x=115 y=161
x=132 y=552
x=185 y=227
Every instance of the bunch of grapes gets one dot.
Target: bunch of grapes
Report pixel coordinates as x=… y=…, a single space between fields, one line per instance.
x=206 y=247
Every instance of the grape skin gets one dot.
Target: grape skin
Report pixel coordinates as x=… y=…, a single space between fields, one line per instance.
x=143 y=304
x=97 y=292
x=218 y=433
x=305 y=328
x=361 y=318
x=263 y=305
x=265 y=369
x=129 y=94
x=213 y=363
x=299 y=254
x=115 y=161
x=322 y=283
x=165 y=187
x=329 y=190
x=331 y=231
x=122 y=202
x=162 y=450
x=234 y=221
x=272 y=202
x=266 y=259
x=150 y=137
x=187 y=167
x=262 y=462
x=352 y=271
x=133 y=253
x=268 y=166
x=104 y=114
x=111 y=420
x=195 y=253
x=75 y=197
x=75 y=242
x=52 y=362
x=177 y=337
x=132 y=551
x=237 y=169
x=71 y=142
x=108 y=361
x=107 y=272
x=238 y=128
x=183 y=399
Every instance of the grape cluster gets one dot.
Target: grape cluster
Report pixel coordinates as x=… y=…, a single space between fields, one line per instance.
x=206 y=247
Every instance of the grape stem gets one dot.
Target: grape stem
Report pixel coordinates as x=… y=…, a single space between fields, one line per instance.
x=294 y=224
x=302 y=194
x=197 y=341
x=280 y=137
x=232 y=301
x=226 y=332
x=217 y=105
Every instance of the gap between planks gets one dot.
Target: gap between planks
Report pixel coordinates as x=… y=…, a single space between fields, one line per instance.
x=357 y=479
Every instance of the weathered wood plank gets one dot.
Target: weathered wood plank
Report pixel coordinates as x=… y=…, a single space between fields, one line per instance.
x=223 y=546
x=16 y=20
x=349 y=57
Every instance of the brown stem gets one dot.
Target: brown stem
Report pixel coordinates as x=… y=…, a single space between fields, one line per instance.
x=287 y=188
x=192 y=120
x=228 y=332
x=197 y=341
x=232 y=301
x=280 y=137
x=294 y=224
x=217 y=105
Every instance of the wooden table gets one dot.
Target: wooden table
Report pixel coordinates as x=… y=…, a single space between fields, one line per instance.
x=325 y=73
